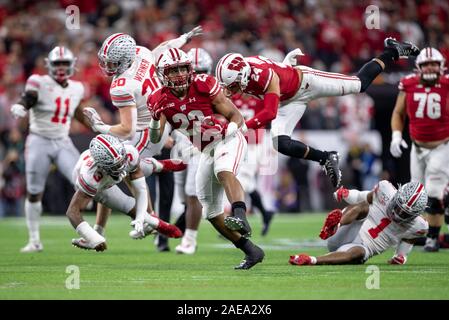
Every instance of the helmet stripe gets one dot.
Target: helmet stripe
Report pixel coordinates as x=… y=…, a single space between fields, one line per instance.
x=110 y=42
x=108 y=146
x=415 y=196
x=172 y=54
x=61 y=51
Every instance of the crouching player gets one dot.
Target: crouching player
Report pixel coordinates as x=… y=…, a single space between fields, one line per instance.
x=374 y=222
x=97 y=173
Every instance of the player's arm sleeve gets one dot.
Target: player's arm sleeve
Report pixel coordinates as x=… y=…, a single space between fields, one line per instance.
x=30 y=96
x=173 y=43
x=122 y=98
x=270 y=102
x=86 y=187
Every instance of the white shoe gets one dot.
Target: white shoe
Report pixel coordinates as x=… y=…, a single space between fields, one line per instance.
x=147 y=229
x=32 y=247
x=186 y=247
x=82 y=244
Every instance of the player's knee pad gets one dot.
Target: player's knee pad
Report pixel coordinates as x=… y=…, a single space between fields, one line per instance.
x=434 y=206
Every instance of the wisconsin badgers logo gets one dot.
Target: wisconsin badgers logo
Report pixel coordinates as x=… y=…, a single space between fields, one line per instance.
x=236 y=64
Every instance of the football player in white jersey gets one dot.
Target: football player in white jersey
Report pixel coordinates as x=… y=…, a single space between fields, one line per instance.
x=374 y=222
x=133 y=80
x=97 y=173
x=52 y=100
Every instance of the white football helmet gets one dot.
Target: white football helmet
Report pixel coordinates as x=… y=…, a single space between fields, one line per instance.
x=109 y=154
x=233 y=71
x=60 y=63
x=173 y=60
x=430 y=55
x=117 y=54
x=201 y=60
x=409 y=202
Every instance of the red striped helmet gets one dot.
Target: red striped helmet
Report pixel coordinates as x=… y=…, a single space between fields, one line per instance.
x=201 y=60
x=60 y=63
x=430 y=55
x=409 y=202
x=117 y=54
x=174 y=69
x=109 y=154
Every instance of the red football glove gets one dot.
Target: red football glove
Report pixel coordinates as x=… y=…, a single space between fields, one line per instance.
x=331 y=224
x=157 y=108
x=397 y=259
x=211 y=126
x=341 y=194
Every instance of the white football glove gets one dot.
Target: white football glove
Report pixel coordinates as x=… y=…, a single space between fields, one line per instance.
x=95 y=121
x=18 y=111
x=139 y=228
x=290 y=58
x=198 y=30
x=396 y=143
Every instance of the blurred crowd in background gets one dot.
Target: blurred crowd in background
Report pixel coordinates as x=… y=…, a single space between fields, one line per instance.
x=332 y=34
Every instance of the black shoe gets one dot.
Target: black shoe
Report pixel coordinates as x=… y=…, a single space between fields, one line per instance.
x=251 y=260
x=330 y=167
x=266 y=222
x=404 y=49
x=238 y=224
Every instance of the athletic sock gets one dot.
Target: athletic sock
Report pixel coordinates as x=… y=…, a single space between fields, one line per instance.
x=33 y=211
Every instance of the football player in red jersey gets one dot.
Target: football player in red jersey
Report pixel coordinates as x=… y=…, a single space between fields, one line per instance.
x=423 y=97
x=185 y=101
x=286 y=90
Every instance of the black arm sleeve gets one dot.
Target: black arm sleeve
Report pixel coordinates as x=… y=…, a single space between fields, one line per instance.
x=28 y=99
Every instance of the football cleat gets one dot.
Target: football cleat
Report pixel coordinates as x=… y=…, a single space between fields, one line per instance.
x=431 y=245
x=84 y=244
x=172 y=165
x=81 y=243
x=300 y=260
x=252 y=259
x=238 y=224
x=32 y=247
x=331 y=224
x=186 y=247
x=169 y=230
x=331 y=168
x=404 y=49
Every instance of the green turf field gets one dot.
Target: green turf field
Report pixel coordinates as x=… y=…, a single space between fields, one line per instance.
x=133 y=269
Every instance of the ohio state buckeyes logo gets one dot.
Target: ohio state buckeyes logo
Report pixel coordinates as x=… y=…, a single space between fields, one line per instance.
x=236 y=64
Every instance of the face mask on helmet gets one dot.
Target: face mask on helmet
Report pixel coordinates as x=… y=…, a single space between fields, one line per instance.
x=60 y=63
x=408 y=203
x=178 y=76
x=430 y=65
x=233 y=73
x=109 y=155
x=116 y=54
